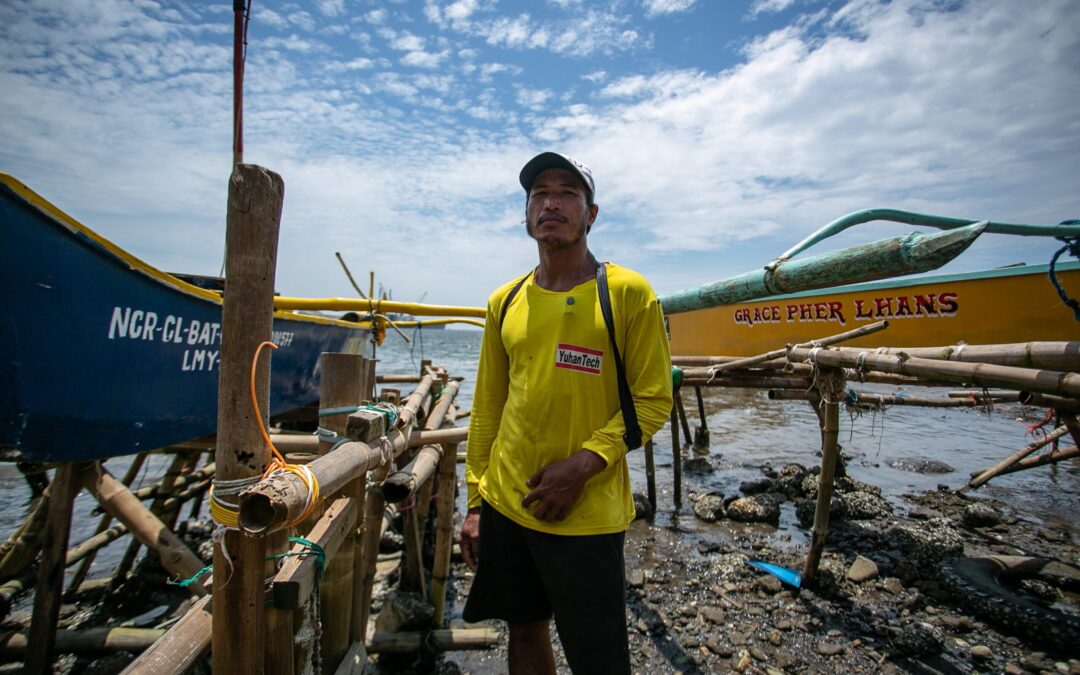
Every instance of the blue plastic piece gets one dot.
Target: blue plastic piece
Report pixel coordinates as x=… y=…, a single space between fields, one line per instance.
x=789 y=577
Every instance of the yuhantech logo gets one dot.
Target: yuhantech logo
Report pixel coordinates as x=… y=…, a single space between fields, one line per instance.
x=582 y=359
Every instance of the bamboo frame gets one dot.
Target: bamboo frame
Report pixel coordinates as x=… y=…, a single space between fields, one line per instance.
x=295 y=581
x=985 y=375
x=830 y=429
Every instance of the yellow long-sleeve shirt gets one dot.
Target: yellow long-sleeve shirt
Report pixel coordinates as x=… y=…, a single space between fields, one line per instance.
x=547 y=388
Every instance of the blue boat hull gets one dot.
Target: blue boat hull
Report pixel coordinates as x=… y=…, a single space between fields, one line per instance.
x=103 y=356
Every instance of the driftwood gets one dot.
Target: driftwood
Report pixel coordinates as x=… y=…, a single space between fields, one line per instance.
x=985 y=375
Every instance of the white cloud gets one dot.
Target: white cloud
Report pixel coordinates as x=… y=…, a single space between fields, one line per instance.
x=423 y=59
x=769 y=7
x=533 y=98
x=655 y=8
x=596 y=76
x=331 y=7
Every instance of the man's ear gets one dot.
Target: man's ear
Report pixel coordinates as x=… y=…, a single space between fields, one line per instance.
x=593 y=210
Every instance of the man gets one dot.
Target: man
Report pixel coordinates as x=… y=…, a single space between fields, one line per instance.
x=549 y=489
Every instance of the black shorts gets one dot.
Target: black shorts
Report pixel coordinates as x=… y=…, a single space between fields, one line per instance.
x=525 y=576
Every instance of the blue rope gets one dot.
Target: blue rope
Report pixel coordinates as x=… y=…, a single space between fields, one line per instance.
x=1072 y=245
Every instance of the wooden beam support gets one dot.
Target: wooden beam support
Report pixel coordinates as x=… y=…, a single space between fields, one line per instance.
x=181 y=647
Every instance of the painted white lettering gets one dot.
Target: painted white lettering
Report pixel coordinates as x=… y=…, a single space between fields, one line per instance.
x=149 y=325
x=118 y=326
x=135 y=328
x=185 y=365
x=193 y=331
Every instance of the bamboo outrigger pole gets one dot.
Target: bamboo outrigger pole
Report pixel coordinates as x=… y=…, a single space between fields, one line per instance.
x=882 y=259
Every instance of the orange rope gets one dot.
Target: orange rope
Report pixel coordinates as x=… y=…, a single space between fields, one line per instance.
x=279 y=463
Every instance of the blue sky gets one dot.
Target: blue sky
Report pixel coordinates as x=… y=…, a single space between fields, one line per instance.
x=720 y=133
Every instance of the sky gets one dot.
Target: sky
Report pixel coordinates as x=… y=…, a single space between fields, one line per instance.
x=719 y=132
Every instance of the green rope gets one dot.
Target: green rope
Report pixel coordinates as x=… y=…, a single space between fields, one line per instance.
x=313 y=549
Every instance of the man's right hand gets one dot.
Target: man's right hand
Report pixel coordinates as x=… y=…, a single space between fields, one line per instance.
x=469 y=539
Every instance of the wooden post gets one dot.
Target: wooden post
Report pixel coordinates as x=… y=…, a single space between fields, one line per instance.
x=676 y=465
x=343 y=384
x=252 y=223
x=358 y=491
x=701 y=435
x=650 y=474
x=373 y=508
x=682 y=415
x=830 y=428
x=50 y=578
x=445 y=482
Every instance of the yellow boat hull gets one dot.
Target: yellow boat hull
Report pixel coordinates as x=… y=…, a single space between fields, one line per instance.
x=999 y=306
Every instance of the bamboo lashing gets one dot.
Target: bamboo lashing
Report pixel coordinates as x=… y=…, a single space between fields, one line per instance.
x=738 y=364
x=295 y=581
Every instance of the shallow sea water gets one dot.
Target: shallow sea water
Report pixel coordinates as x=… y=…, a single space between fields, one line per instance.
x=748 y=432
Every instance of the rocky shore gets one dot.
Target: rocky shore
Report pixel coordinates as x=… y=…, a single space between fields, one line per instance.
x=940 y=583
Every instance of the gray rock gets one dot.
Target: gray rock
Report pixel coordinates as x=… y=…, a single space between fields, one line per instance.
x=709 y=507
x=720 y=649
x=981 y=653
x=755 y=509
x=404 y=610
x=980 y=515
x=893 y=586
x=642 y=508
x=755 y=487
x=804 y=510
x=863 y=505
x=635 y=578
x=790 y=478
x=698 y=465
x=923 y=466
x=919 y=639
x=863 y=569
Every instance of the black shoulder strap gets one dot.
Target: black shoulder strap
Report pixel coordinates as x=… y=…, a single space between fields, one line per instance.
x=510 y=298
x=632 y=437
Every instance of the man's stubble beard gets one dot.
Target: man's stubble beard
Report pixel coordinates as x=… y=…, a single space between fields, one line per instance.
x=559 y=244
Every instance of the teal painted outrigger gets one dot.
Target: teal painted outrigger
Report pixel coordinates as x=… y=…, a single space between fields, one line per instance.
x=898 y=256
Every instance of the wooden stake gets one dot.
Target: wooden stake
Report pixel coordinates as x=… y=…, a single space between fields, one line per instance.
x=830 y=428
x=445 y=482
x=650 y=474
x=50 y=578
x=358 y=491
x=252 y=224
x=676 y=465
x=342 y=385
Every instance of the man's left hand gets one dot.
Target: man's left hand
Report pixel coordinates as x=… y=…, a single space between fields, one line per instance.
x=558 y=486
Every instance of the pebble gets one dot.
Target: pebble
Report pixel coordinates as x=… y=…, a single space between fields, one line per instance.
x=981 y=515
x=719 y=648
x=893 y=586
x=768 y=583
x=758 y=654
x=775 y=638
x=739 y=639
x=712 y=614
x=784 y=624
x=863 y=569
x=981 y=653
x=744 y=661
x=827 y=648
x=635 y=578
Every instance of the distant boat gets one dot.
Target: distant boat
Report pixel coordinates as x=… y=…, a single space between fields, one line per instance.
x=1007 y=305
x=103 y=355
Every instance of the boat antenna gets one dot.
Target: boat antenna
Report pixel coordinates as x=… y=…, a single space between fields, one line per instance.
x=349 y=274
x=241 y=19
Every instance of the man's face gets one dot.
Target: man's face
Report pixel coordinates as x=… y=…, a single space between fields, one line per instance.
x=557 y=213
